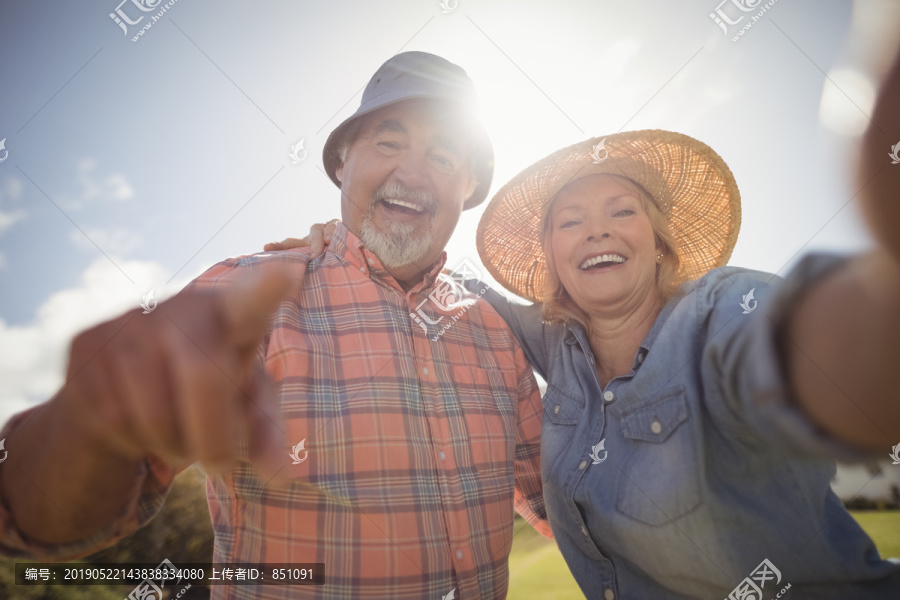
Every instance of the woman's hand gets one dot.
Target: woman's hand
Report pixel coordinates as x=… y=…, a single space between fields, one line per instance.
x=877 y=172
x=319 y=237
x=842 y=340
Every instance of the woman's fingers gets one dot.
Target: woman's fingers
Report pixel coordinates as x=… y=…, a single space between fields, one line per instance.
x=319 y=237
x=329 y=229
x=286 y=244
x=316 y=240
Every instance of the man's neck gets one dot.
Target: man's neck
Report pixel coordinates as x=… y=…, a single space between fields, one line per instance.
x=407 y=277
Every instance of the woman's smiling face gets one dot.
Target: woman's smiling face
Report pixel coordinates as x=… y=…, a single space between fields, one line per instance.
x=603 y=244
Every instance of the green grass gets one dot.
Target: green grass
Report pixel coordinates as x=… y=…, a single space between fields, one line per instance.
x=537 y=569
x=884 y=529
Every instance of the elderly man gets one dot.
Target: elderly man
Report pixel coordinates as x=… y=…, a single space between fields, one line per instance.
x=399 y=453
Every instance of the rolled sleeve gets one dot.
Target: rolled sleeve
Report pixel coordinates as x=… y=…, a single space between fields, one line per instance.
x=148 y=495
x=529 y=496
x=757 y=385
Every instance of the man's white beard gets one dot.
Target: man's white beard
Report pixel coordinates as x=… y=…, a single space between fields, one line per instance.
x=396 y=245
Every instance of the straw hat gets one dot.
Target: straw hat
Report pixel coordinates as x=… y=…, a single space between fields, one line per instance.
x=690 y=183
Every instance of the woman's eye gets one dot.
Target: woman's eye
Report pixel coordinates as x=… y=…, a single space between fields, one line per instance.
x=625 y=212
x=568 y=224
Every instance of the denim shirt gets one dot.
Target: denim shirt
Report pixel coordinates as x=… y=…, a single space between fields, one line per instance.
x=678 y=479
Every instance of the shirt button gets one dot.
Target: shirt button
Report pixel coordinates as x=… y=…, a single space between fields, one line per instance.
x=584 y=530
x=608 y=594
x=582 y=465
x=556 y=410
x=655 y=427
x=608 y=396
x=425 y=370
x=371 y=261
x=459 y=554
x=640 y=358
x=442 y=455
x=362 y=269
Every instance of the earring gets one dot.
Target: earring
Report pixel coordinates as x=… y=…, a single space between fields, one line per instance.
x=659 y=257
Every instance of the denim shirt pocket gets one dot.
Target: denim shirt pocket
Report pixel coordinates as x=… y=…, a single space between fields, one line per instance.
x=660 y=479
x=562 y=411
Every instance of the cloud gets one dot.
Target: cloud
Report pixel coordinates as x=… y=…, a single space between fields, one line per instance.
x=119 y=241
x=33 y=356
x=8 y=218
x=98 y=188
x=11 y=189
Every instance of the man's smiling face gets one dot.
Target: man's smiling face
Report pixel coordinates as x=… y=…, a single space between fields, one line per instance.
x=404 y=181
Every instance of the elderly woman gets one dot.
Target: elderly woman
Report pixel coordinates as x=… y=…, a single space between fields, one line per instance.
x=693 y=410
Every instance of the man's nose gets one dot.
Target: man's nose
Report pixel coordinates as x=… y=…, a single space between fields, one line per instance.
x=411 y=170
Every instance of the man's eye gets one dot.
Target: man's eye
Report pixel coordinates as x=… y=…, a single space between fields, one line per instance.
x=389 y=145
x=444 y=162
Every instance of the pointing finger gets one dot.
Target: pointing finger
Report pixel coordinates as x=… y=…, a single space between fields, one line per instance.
x=248 y=305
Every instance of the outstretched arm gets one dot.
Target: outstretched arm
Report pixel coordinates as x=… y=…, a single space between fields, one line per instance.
x=842 y=345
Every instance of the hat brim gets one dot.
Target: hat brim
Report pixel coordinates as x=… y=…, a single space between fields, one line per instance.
x=482 y=159
x=686 y=178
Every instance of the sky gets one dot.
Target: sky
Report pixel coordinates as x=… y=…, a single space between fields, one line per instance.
x=134 y=162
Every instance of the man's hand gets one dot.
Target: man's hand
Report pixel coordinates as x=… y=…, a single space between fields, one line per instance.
x=319 y=237
x=182 y=382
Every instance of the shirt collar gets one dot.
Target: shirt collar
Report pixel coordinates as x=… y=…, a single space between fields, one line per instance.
x=351 y=250
x=576 y=333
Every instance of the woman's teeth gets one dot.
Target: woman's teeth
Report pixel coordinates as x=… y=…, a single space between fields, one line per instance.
x=603 y=258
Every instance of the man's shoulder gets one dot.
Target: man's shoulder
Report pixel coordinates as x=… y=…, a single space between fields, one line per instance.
x=223 y=272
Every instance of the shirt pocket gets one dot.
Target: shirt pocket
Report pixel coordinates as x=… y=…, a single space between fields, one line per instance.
x=562 y=411
x=489 y=404
x=659 y=482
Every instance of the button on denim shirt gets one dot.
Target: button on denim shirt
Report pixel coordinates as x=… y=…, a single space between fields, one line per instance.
x=678 y=479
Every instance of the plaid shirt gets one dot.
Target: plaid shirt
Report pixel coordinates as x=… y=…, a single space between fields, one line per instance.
x=421 y=419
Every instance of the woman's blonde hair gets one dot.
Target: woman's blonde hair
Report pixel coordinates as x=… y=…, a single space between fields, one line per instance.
x=558 y=304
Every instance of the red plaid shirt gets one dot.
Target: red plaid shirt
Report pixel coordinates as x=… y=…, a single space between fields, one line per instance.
x=421 y=419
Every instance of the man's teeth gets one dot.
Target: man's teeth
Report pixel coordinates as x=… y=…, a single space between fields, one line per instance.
x=602 y=259
x=404 y=204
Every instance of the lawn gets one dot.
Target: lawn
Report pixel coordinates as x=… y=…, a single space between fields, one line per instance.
x=537 y=569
